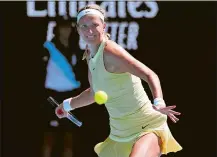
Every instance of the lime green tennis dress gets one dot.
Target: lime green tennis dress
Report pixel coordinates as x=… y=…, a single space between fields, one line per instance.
x=131 y=114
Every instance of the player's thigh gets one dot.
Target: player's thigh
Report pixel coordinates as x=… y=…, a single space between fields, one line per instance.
x=146 y=146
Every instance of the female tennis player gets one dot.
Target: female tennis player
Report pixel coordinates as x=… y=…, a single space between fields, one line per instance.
x=138 y=128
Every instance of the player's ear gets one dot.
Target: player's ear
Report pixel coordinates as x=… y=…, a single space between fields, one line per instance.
x=104 y=25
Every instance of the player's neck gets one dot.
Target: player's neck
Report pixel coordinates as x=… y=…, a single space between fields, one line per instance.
x=93 y=48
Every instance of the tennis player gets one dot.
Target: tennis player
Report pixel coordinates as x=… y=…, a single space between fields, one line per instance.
x=138 y=128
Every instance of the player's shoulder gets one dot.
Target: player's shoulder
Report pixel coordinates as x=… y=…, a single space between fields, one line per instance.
x=112 y=48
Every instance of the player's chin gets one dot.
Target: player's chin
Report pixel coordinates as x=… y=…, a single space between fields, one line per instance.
x=91 y=40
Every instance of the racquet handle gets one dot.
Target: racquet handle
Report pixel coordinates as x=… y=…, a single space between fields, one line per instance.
x=70 y=116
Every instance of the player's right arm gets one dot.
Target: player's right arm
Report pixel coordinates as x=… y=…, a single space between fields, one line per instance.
x=84 y=99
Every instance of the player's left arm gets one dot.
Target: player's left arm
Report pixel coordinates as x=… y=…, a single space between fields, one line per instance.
x=124 y=62
x=121 y=62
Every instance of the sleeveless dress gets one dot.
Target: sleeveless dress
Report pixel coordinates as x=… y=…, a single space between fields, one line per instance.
x=131 y=114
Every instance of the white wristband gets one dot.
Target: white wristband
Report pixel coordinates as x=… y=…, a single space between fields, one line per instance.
x=66 y=105
x=158 y=101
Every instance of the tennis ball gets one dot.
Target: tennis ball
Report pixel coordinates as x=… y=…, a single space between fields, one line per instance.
x=100 y=97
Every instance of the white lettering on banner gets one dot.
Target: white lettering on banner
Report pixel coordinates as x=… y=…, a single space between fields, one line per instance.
x=124 y=33
x=133 y=32
x=111 y=7
x=31 y=12
x=154 y=10
x=82 y=4
x=62 y=8
x=122 y=9
x=51 y=9
x=132 y=8
x=72 y=9
x=50 y=29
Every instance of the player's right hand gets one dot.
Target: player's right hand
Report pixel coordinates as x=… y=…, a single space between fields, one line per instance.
x=60 y=112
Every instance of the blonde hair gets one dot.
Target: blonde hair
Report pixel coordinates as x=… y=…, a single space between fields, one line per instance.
x=96 y=7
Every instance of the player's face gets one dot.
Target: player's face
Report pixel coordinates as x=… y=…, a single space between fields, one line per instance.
x=91 y=29
x=65 y=31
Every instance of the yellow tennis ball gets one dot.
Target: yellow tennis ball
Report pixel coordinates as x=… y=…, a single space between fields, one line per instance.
x=100 y=97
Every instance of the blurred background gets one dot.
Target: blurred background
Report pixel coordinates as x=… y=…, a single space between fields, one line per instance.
x=177 y=40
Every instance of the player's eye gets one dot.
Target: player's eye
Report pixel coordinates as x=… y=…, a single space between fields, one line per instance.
x=83 y=26
x=95 y=24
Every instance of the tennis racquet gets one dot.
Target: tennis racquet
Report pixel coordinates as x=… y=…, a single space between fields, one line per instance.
x=70 y=116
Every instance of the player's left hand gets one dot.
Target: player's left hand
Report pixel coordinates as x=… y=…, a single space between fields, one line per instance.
x=168 y=110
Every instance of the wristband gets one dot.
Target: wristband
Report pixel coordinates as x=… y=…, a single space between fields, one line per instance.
x=66 y=105
x=158 y=101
